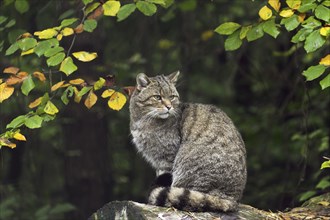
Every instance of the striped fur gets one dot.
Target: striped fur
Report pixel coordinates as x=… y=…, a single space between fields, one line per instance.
x=196 y=150
x=190 y=200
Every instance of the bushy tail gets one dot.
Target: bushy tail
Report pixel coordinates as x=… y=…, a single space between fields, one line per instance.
x=190 y=200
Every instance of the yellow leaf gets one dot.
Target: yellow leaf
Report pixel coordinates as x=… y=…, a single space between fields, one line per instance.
x=13 y=80
x=1 y=80
x=107 y=93
x=77 y=98
x=206 y=35
x=286 y=13
x=90 y=100
x=67 y=31
x=11 y=70
x=275 y=4
x=301 y=17
x=57 y=86
x=27 y=52
x=294 y=4
x=77 y=81
x=59 y=37
x=40 y=76
x=50 y=108
x=111 y=8
x=99 y=84
x=325 y=31
x=117 y=101
x=5 y=92
x=46 y=34
x=22 y=75
x=265 y=13
x=18 y=136
x=324 y=203
x=325 y=60
x=84 y=56
x=7 y=143
x=35 y=103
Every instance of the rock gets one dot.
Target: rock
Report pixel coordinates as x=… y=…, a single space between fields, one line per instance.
x=317 y=208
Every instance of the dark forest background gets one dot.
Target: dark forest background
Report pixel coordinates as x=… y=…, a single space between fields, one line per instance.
x=75 y=164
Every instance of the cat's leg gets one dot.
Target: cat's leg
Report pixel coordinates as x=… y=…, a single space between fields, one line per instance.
x=164 y=179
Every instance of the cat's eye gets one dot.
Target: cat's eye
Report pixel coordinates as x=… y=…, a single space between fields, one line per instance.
x=157 y=97
x=172 y=97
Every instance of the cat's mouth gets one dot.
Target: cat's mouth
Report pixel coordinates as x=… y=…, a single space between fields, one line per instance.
x=164 y=115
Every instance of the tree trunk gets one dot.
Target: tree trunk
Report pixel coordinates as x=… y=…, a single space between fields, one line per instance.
x=316 y=208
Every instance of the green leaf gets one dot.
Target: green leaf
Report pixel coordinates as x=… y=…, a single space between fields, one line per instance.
x=306 y=195
x=86 y=1
x=325 y=164
x=56 y=59
x=323 y=13
x=291 y=23
x=17 y=122
x=125 y=11
x=68 y=92
x=11 y=23
x=255 y=33
x=270 y=28
x=61 y=208
x=91 y=8
x=311 y=22
x=233 y=42
x=187 y=5
x=99 y=84
x=244 y=31
x=12 y=49
x=306 y=7
x=84 y=90
x=22 y=6
x=90 y=25
x=314 y=41
x=301 y=35
x=326 y=3
x=146 y=8
x=3 y=19
x=27 y=43
x=67 y=22
x=43 y=46
x=325 y=83
x=50 y=108
x=323 y=184
x=227 y=28
x=159 y=2
x=52 y=51
x=67 y=66
x=314 y=72
x=27 y=85
x=33 y=122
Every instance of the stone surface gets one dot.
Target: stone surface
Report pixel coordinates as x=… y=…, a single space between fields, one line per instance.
x=317 y=208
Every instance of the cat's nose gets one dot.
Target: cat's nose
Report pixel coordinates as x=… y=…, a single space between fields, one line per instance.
x=167 y=104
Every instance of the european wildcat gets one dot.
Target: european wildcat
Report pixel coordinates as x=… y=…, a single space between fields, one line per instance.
x=198 y=154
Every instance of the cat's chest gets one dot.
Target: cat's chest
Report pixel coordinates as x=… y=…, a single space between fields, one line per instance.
x=152 y=137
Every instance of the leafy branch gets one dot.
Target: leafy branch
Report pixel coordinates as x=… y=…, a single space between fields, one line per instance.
x=309 y=18
x=46 y=44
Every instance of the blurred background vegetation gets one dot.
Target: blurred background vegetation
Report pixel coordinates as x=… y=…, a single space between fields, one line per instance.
x=75 y=164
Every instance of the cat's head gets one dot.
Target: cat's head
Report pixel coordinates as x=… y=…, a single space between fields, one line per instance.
x=156 y=97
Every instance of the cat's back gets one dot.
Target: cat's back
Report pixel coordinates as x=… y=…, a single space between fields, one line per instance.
x=208 y=124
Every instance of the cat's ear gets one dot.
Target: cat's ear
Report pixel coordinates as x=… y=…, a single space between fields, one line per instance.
x=142 y=81
x=174 y=77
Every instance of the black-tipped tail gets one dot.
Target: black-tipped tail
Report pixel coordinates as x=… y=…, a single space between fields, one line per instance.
x=190 y=200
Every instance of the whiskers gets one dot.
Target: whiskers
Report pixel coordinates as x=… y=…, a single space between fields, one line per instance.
x=155 y=113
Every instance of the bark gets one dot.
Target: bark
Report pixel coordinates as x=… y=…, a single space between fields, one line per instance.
x=317 y=208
